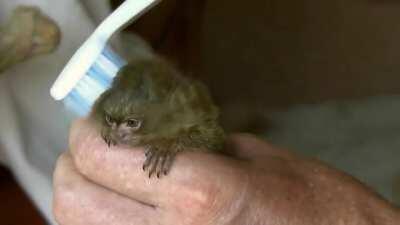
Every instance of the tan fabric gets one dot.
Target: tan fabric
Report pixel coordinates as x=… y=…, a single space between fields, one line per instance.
x=26 y=34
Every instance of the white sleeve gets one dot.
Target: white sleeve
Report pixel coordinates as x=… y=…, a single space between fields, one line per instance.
x=33 y=128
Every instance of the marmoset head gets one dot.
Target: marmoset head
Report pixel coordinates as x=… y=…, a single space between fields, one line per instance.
x=122 y=127
x=123 y=116
x=137 y=106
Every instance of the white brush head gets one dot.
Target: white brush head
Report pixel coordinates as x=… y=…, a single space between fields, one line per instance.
x=76 y=68
x=90 y=51
x=96 y=81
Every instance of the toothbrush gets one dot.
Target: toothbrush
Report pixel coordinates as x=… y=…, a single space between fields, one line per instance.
x=92 y=68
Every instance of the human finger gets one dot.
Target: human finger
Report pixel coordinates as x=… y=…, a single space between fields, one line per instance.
x=78 y=201
x=195 y=178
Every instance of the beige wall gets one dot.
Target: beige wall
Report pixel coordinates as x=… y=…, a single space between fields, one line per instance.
x=283 y=52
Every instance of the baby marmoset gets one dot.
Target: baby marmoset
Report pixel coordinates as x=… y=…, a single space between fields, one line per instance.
x=150 y=104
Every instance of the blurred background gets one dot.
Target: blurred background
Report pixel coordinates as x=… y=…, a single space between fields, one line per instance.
x=320 y=78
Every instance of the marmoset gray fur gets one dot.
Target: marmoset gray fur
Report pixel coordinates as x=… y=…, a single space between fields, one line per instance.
x=150 y=104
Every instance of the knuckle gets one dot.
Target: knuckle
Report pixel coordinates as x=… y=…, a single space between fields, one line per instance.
x=202 y=199
x=205 y=203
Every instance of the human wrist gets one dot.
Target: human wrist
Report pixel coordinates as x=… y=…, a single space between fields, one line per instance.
x=349 y=201
x=381 y=212
x=314 y=194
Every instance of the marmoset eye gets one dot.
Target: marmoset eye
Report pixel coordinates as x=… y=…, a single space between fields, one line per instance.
x=134 y=123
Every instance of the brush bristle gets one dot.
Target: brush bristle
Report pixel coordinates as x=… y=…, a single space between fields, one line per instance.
x=97 y=80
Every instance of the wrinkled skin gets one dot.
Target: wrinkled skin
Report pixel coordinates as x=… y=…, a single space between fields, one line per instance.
x=152 y=106
x=265 y=185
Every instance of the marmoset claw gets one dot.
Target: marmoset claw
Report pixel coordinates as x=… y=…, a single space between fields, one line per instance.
x=158 y=161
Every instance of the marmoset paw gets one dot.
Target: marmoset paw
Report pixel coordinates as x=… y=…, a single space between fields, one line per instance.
x=158 y=161
x=107 y=139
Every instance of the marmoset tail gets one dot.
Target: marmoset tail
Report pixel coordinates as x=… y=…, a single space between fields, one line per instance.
x=151 y=104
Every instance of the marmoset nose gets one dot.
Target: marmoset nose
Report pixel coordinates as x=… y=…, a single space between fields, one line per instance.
x=114 y=126
x=122 y=134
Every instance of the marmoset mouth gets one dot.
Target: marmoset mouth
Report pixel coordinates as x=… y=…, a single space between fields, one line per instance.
x=127 y=139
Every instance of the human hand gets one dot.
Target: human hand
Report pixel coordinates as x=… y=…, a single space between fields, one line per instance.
x=96 y=185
